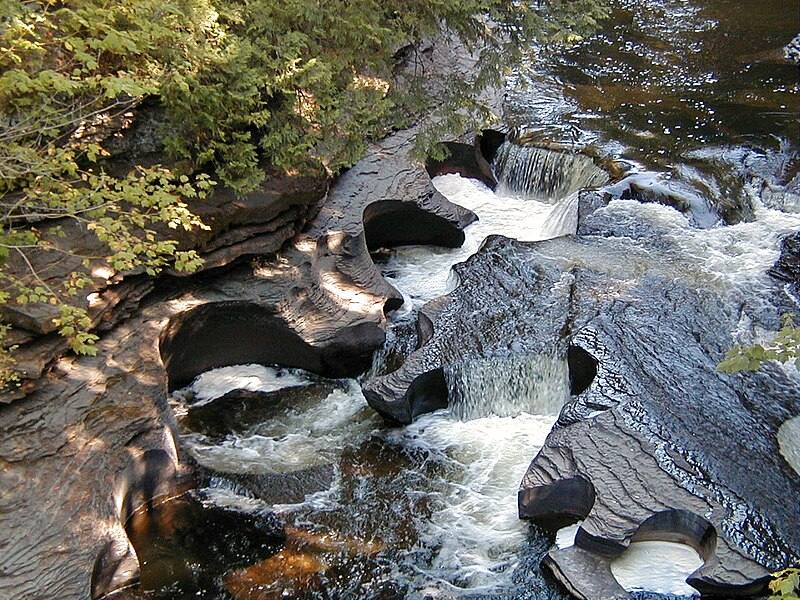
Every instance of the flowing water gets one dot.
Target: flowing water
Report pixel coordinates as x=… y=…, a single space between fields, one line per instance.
x=422 y=273
x=685 y=97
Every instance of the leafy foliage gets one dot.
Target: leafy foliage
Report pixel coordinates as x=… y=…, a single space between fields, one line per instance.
x=68 y=69
x=293 y=85
x=785 y=584
x=784 y=347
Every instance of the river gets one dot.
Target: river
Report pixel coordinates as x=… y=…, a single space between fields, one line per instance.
x=684 y=99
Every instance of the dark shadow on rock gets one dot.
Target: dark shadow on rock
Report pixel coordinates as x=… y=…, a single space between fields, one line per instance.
x=231 y=333
x=489 y=142
x=150 y=475
x=466 y=160
x=559 y=505
x=680 y=527
x=390 y=223
x=582 y=369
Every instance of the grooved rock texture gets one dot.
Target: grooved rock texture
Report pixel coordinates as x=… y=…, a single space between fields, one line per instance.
x=660 y=445
x=78 y=455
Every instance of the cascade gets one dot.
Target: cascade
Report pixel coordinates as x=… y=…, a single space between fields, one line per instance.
x=563 y=220
x=544 y=174
x=441 y=492
x=508 y=386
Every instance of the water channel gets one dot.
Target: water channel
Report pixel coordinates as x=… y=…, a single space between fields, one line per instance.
x=686 y=100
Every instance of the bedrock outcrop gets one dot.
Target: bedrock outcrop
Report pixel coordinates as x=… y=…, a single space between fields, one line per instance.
x=660 y=445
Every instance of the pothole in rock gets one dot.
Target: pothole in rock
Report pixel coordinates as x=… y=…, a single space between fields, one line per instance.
x=656 y=566
x=582 y=369
x=254 y=419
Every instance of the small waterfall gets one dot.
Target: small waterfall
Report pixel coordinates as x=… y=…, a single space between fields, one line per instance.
x=508 y=386
x=224 y=485
x=544 y=174
x=564 y=218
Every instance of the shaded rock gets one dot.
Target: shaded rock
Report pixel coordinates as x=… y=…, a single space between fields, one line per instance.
x=255 y=224
x=66 y=442
x=285 y=488
x=466 y=160
x=137 y=137
x=390 y=223
x=489 y=142
x=90 y=446
x=240 y=410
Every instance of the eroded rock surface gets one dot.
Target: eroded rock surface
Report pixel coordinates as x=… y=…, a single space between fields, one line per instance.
x=78 y=455
x=660 y=445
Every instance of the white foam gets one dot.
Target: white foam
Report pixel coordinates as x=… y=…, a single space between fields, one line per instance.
x=731 y=260
x=299 y=437
x=508 y=386
x=423 y=272
x=478 y=535
x=565 y=537
x=652 y=566
x=254 y=378
x=563 y=219
x=657 y=567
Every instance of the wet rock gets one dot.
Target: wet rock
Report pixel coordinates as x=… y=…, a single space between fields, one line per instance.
x=288 y=488
x=660 y=189
x=488 y=324
x=546 y=172
x=241 y=410
x=652 y=447
x=787 y=267
x=792 y=50
x=222 y=508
